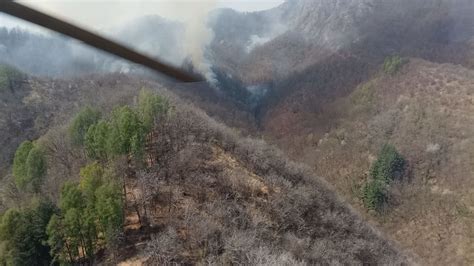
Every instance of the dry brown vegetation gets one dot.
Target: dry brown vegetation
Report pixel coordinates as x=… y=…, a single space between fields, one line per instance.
x=280 y=212
x=208 y=195
x=425 y=111
x=218 y=199
x=33 y=106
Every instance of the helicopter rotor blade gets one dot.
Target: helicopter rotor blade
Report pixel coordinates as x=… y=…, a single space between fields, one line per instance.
x=23 y=12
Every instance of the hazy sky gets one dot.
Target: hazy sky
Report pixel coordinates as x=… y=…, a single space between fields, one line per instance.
x=102 y=14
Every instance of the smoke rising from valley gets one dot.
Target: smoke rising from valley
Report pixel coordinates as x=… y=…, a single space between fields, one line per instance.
x=198 y=36
x=183 y=32
x=173 y=31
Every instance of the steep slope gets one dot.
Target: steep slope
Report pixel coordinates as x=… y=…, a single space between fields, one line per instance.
x=210 y=196
x=221 y=199
x=34 y=104
x=330 y=106
x=425 y=111
x=327 y=105
x=30 y=105
x=312 y=31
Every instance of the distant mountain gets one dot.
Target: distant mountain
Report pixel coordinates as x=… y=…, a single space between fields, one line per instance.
x=40 y=54
x=56 y=55
x=311 y=31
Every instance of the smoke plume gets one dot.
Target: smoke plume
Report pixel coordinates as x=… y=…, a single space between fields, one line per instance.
x=170 y=43
x=198 y=36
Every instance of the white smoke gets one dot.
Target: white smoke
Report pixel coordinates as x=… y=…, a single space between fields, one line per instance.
x=277 y=28
x=198 y=36
x=256 y=41
x=190 y=43
x=101 y=16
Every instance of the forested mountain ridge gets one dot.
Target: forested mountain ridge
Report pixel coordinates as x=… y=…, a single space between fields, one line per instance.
x=335 y=102
x=422 y=110
x=192 y=190
x=305 y=33
x=374 y=97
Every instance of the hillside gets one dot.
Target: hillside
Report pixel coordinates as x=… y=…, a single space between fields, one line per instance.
x=240 y=201
x=424 y=111
x=204 y=195
x=330 y=106
x=306 y=33
x=30 y=106
x=372 y=99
